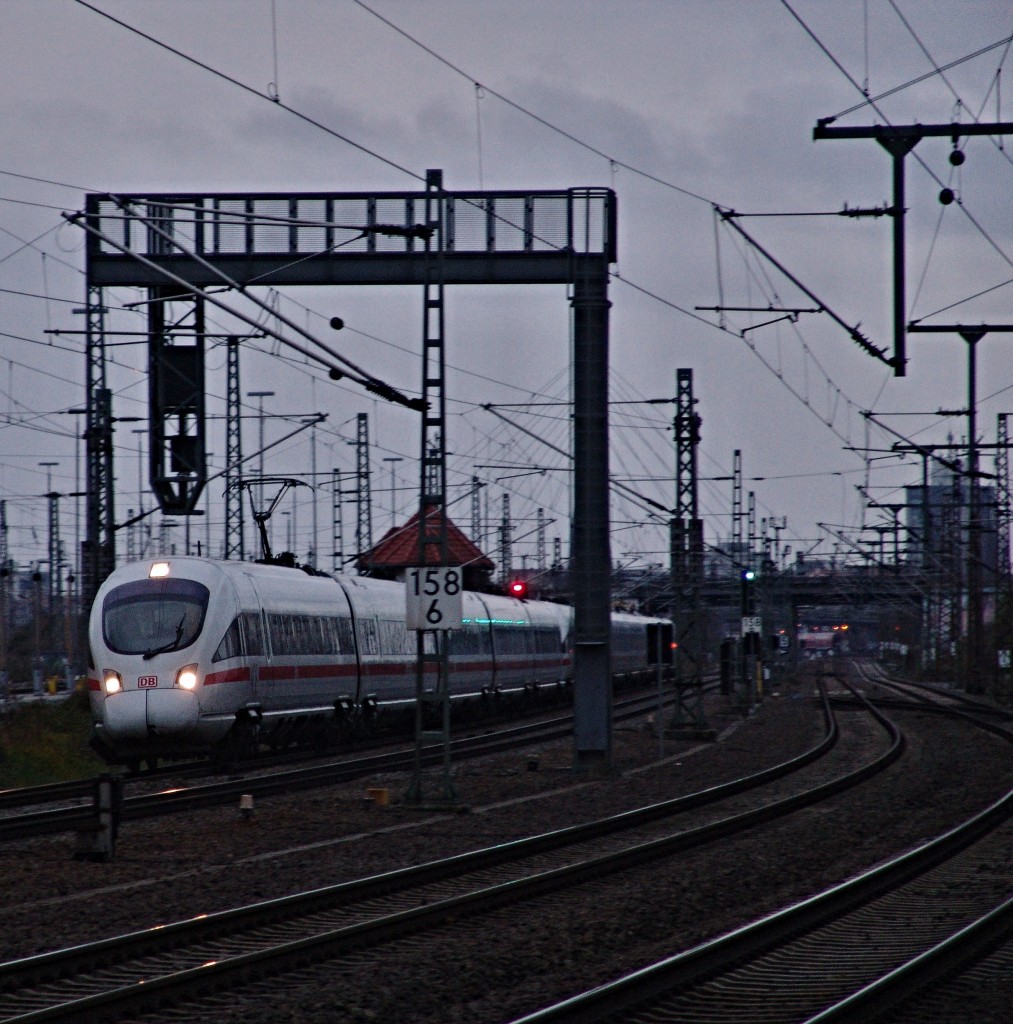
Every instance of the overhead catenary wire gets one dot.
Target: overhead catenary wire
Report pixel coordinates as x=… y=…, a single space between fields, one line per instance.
x=253 y=91
x=368 y=380
x=372 y=384
x=499 y=96
x=773 y=371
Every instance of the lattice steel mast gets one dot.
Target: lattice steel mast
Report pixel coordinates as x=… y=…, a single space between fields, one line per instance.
x=235 y=545
x=687 y=557
x=433 y=704
x=364 y=499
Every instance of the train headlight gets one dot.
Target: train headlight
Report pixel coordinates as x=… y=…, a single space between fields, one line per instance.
x=186 y=677
x=113 y=681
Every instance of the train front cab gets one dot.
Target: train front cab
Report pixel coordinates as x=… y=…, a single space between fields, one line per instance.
x=149 y=634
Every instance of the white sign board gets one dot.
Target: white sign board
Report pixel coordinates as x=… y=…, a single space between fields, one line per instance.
x=433 y=598
x=752 y=624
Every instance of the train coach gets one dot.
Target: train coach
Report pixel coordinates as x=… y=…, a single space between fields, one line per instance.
x=192 y=656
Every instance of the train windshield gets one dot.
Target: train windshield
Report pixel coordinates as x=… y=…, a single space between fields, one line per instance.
x=152 y=617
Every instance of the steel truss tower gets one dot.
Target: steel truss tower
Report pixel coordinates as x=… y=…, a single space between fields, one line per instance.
x=540 y=540
x=99 y=557
x=55 y=589
x=1003 y=503
x=687 y=558
x=5 y=592
x=738 y=551
x=506 y=549
x=477 y=533
x=364 y=501
x=432 y=705
x=337 y=503
x=1004 y=580
x=235 y=546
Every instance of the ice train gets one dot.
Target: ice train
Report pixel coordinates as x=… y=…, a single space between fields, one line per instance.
x=194 y=656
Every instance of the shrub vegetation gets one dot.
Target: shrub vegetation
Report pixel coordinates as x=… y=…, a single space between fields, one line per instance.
x=47 y=742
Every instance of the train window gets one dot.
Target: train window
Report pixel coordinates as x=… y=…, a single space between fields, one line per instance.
x=509 y=639
x=231 y=645
x=387 y=638
x=546 y=640
x=253 y=632
x=310 y=635
x=368 y=640
x=281 y=630
x=299 y=634
x=395 y=638
x=471 y=639
x=322 y=636
x=461 y=641
x=153 y=615
x=346 y=640
x=332 y=639
x=408 y=642
x=300 y=641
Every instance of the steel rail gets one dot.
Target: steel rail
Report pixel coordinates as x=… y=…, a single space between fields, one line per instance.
x=227 y=970
x=211 y=794
x=52 y=792
x=621 y=998
x=952 y=954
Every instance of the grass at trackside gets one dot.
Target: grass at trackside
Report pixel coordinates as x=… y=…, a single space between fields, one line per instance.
x=47 y=742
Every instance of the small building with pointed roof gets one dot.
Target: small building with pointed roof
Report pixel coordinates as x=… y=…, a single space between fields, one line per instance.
x=398 y=550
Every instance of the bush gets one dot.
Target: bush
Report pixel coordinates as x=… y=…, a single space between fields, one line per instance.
x=47 y=742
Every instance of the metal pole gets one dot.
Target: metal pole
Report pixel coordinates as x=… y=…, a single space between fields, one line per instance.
x=313 y=473
x=590 y=549
x=392 y=459
x=260 y=395
x=140 y=490
x=975 y=631
x=54 y=560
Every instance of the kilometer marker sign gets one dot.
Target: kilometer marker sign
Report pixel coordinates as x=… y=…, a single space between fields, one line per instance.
x=433 y=597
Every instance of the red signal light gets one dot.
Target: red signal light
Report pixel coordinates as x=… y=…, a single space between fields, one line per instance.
x=518 y=588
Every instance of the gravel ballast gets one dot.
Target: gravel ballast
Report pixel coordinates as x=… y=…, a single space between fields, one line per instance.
x=502 y=967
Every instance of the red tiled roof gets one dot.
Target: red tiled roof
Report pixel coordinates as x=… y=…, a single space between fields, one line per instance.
x=399 y=547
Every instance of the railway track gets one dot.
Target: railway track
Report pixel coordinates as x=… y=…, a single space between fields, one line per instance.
x=130 y=974
x=847 y=954
x=74 y=813
x=853 y=953
x=932 y=696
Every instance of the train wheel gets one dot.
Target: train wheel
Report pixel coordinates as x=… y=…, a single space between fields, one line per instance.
x=367 y=717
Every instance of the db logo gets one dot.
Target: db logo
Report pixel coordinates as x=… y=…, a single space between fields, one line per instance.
x=146 y=682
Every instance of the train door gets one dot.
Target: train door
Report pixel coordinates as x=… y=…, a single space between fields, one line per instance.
x=258 y=650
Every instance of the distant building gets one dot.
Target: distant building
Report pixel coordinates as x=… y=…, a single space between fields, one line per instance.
x=938 y=526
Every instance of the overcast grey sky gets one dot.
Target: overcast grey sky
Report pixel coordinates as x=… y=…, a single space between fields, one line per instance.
x=679 y=106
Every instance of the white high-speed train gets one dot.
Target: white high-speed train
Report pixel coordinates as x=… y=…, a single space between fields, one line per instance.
x=196 y=656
